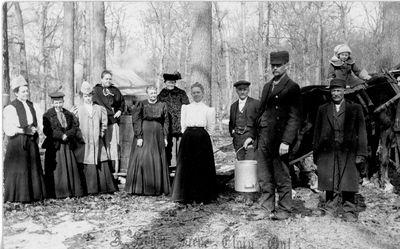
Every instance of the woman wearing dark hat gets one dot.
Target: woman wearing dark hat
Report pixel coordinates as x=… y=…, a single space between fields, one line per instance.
x=175 y=98
x=23 y=175
x=195 y=179
x=148 y=169
x=62 y=175
x=93 y=125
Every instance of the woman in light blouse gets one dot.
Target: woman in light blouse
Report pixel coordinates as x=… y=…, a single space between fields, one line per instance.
x=195 y=179
x=23 y=174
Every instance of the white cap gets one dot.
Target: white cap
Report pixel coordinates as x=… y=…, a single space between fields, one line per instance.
x=86 y=88
x=17 y=82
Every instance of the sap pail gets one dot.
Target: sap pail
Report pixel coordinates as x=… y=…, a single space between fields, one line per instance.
x=246 y=176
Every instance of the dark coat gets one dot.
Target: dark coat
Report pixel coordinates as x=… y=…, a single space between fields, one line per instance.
x=54 y=131
x=354 y=144
x=250 y=111
x=174 y=98
x=112 y=103
x=344 y=70
x=283 y=111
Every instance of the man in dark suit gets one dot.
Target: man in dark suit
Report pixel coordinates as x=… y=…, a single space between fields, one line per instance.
x=242 y=117
x=340 y=142
x=278 y=122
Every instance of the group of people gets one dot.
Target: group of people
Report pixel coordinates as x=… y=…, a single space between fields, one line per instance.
x=81 y=147
x=266 y=130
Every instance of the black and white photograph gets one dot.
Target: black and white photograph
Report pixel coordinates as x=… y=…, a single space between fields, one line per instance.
x=200 y=124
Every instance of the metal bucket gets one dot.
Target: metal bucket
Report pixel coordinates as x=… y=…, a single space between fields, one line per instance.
x=246 y=176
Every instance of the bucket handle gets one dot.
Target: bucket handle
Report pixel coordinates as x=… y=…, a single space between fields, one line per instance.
x=239 y=150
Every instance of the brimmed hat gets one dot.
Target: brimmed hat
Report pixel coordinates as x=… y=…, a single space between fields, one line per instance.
x=241 y=83
x=337 y=83
x=86 y=88
x=17 y=82
x=342 y=48
x=56 y=95
x=280 y=57
x=173 y=77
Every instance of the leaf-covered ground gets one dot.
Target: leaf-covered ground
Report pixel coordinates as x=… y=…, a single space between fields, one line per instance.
x=126 y=221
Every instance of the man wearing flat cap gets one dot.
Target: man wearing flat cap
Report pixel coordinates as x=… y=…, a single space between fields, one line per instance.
x=243 y=114
x=278 y=123
x=174 y=97
x=340 y=142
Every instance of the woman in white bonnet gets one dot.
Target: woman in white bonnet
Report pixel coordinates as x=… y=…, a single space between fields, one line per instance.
x=93 y=124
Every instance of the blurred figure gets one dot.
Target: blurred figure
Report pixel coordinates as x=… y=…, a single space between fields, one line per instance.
x=175 y=98
x=93 y=125
x=195 y=179
x=62 y=175
x=23 y=175
x=107 y=95
x=148 y=169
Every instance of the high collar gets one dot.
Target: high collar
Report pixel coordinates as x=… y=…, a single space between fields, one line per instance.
x=243 y=101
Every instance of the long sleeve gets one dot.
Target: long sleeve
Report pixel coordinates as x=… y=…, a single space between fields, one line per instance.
x=104 y=120
x=48 y=129
x=294 y=121
x=39 y=113
x=166 y=120
x=120 y=102
x=185 y=99
x=210 y=121
x=362 y=148
x=356 y=70
x=137 y=115
x=183 y=118
x=73 y=129
x=331 y=72
x=317 y=132
x=10 y=121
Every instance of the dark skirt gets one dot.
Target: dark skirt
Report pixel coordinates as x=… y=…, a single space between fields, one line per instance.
x=195 y=178
x=148 y=169
x=98 y=178
x=63 y=176
x=23 y=174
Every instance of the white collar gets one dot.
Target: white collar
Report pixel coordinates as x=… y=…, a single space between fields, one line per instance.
x=243 y=101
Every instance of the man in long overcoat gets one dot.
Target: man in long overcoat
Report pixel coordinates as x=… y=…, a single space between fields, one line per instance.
x=278 y=122
x=243 y=114
x=340 y=142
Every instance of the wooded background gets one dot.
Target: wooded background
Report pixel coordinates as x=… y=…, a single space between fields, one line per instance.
x=57 y=45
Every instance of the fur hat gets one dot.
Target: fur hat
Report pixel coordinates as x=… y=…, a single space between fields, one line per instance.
x=173 y=77
x=342 y=48
x=86 y=88
x=17 y=82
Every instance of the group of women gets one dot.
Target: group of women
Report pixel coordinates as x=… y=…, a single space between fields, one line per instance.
x=73 y=146
x=74 y=141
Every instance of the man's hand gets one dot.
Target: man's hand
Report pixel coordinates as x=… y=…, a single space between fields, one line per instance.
x=283 y=149
x=165 y=142
x=139 y=142
x=246 y=143
x=117 y=114
x=74 y=110
x=360 y=159
x=64 y=137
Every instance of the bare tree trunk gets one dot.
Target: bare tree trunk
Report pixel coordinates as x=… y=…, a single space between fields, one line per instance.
x=267 y=35
x=201 y=47
x=68 y=54
x=86 y=43
x=161 y=63
x=186 y=66
x=6 y=65
x=43 y=69
x=320 y=46
x=260 y=50
x=225 y=54
x=244 y=46
x=20 y=41
x=98 y=41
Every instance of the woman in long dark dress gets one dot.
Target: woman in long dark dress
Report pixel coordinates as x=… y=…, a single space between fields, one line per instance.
x=23 y=175
x=195 y=179
x=93 y=124
x=148 y=169
x=62 y=175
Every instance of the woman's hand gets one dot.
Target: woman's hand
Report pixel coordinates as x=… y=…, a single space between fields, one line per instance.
x=139 y=142
x=165 y=142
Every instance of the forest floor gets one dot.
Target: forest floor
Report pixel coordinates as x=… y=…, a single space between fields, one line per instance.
x=126 y=221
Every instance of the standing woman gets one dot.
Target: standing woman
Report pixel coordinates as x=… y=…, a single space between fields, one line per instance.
x=195 y=178
x=93 y=125
x=148 y=168
x=62 y=175
x=23 y=175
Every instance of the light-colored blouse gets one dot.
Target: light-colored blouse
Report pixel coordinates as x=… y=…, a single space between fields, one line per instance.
x=11 y=123
x=198 y=115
